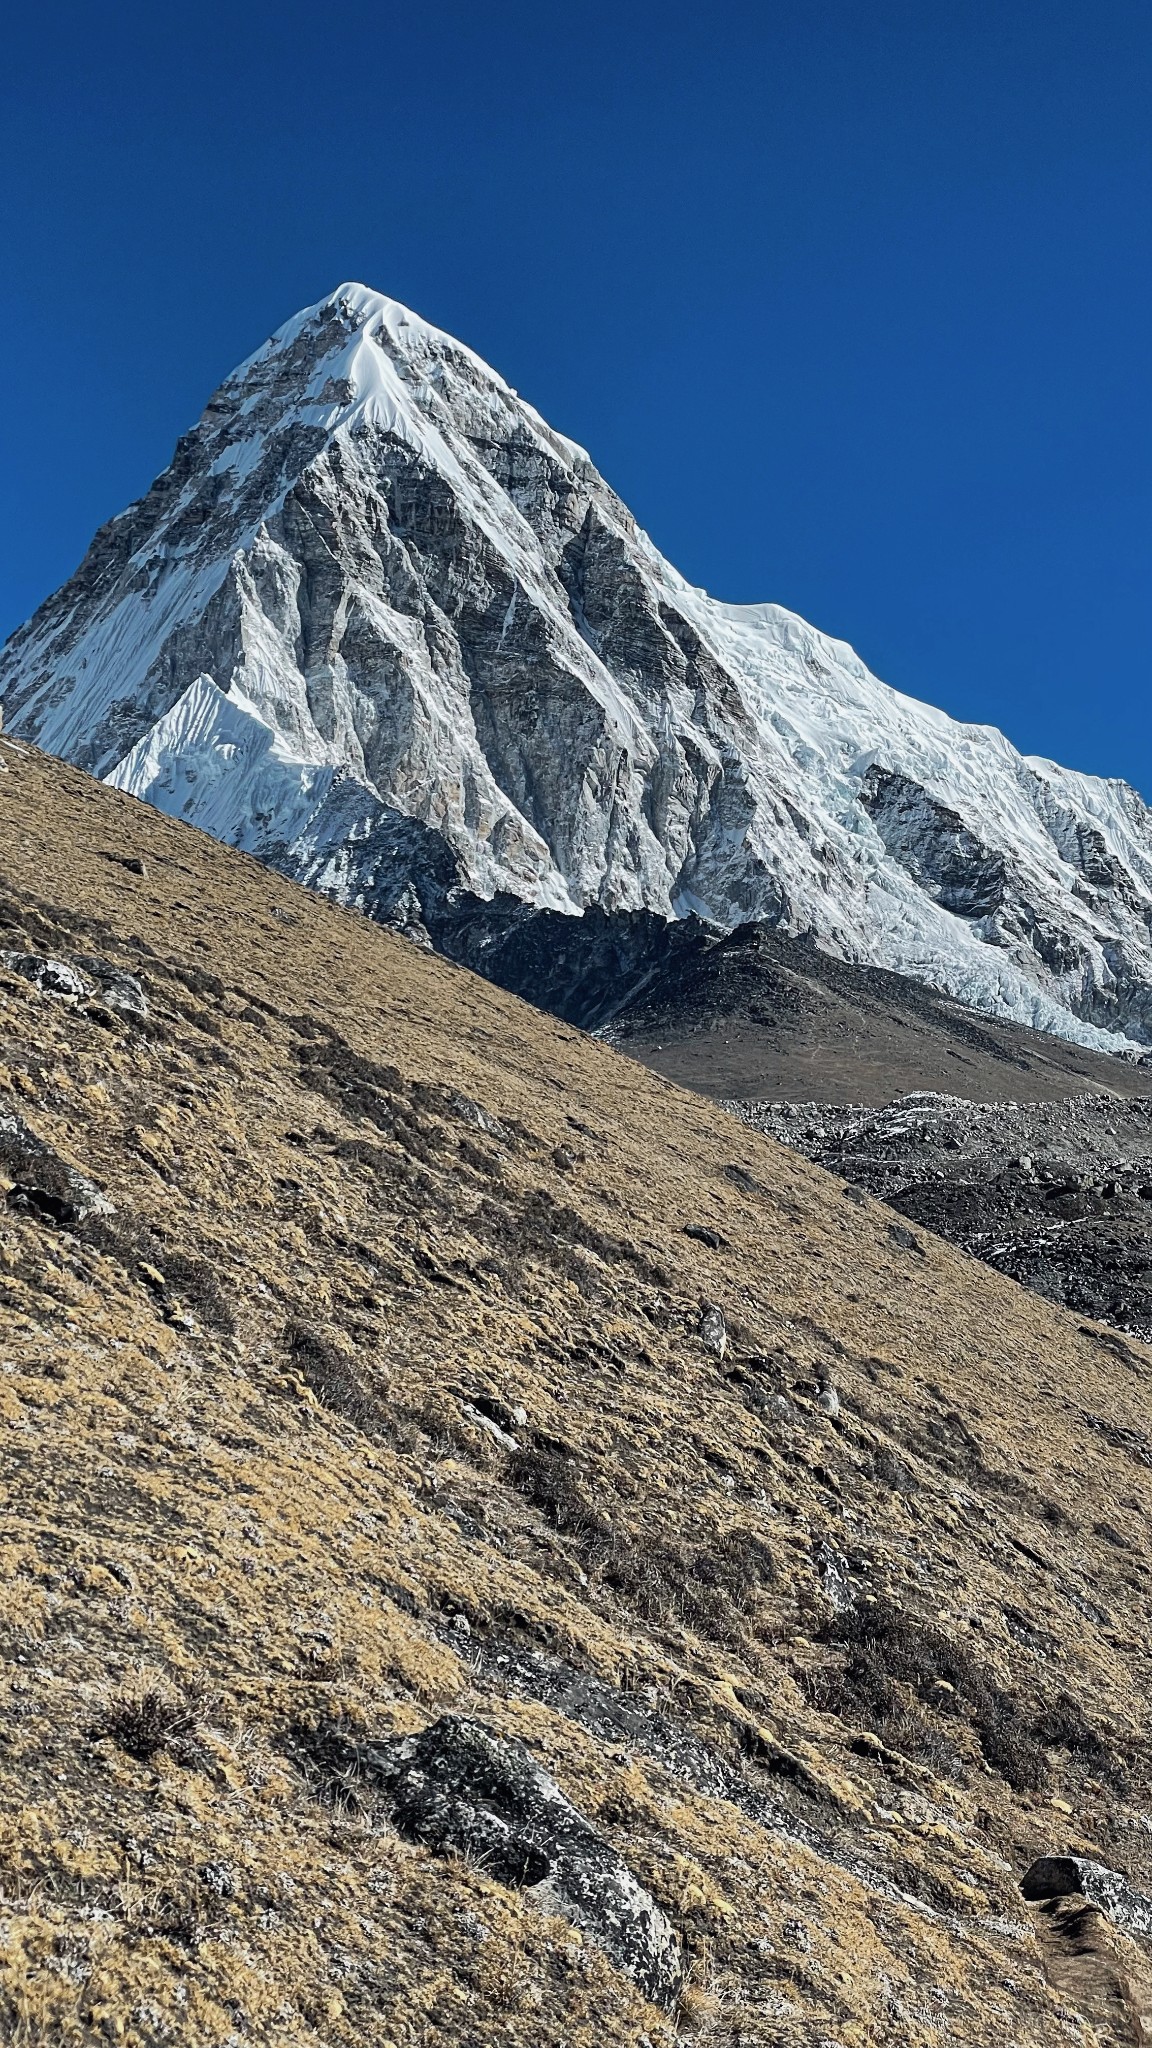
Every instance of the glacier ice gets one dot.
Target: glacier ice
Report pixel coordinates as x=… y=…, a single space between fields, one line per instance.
x=376 y=605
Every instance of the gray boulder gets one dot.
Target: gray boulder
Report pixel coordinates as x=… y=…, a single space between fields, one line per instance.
x=1059 y=1877
x=119 y=990
x=50 y=977
x=42 y=1183
x=461 y=1788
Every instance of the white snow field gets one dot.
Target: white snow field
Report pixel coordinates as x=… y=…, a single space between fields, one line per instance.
x=374 y=583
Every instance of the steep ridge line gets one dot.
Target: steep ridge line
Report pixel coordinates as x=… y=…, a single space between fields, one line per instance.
x=391 y=1401
x=382 y=626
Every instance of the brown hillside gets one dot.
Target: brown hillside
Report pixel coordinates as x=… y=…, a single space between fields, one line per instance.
x=390 y=1391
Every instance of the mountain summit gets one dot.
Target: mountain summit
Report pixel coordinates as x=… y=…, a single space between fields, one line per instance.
x=380 y=625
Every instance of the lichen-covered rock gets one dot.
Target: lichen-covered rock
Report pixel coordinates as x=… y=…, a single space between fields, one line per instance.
x=51 y=977
x=82 y=978
x=119 y=990
x=460 y=1787
x=713 y=1329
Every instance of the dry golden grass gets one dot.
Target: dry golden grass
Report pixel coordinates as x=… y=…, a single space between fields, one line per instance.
x=368 y=1207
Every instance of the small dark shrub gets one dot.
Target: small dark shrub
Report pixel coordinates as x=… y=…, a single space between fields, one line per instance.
x=889 y=1648
x=738 y=1564
x=892 y=1471
x=198 y=980
x=145 y=1723
x=552 y=1484
x=862 y=1691
x=360 y=1152
x=1063 y=1724
x=363 y=1087
x=538 y=1227
x=341 y=1767
x=708 y=1590
x=329 y=1374
x=193 y=1281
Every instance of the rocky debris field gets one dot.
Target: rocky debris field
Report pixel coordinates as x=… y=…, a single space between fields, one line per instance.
x=1056 y=1194
x=494 y=1551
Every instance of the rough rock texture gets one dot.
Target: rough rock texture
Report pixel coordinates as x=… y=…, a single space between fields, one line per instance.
x=380 y=625
x=40 y=1181
x=1060 y=1877
x=460 y=1788
x=83 y=979
x=827 y=1676
x=1056 y=1194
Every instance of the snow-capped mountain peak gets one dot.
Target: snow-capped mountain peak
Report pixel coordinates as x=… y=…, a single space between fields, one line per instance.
x=379 y=623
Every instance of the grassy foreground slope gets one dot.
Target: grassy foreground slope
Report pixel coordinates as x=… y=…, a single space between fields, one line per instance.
x=392 y=1387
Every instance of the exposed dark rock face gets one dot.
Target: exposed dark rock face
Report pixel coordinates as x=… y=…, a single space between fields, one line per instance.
x=119 y=991
x=43 y=1183
x=756 y=1013
x=50 y=977
x=951 y=863
x=588 y=970
x=81 y=978
x=1060 y=1877
x=462 y=1790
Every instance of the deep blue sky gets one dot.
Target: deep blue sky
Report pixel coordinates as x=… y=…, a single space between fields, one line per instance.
x=849 y=299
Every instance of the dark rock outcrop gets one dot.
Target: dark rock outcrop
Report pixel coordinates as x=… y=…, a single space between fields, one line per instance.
x=79 y=979
x=50 y=977
x=40 y=1181
x=461 y=1789
x=1061 y=1877
x=935 y=846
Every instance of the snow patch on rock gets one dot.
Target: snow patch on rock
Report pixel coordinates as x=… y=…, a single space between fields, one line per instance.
x=374 y=589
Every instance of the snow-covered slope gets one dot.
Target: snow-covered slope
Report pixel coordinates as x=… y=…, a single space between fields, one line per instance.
x=378 y=622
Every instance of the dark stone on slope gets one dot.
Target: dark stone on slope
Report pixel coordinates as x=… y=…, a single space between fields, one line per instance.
x=41 y=1183
x=1059 y=1877
x=587 y=970
x=120 y=991
x=57 y=978
x=79 y=978
x=460 y=1789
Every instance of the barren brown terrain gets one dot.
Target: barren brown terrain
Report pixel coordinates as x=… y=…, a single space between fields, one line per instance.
x=761 y=1016
x=433 y=1360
